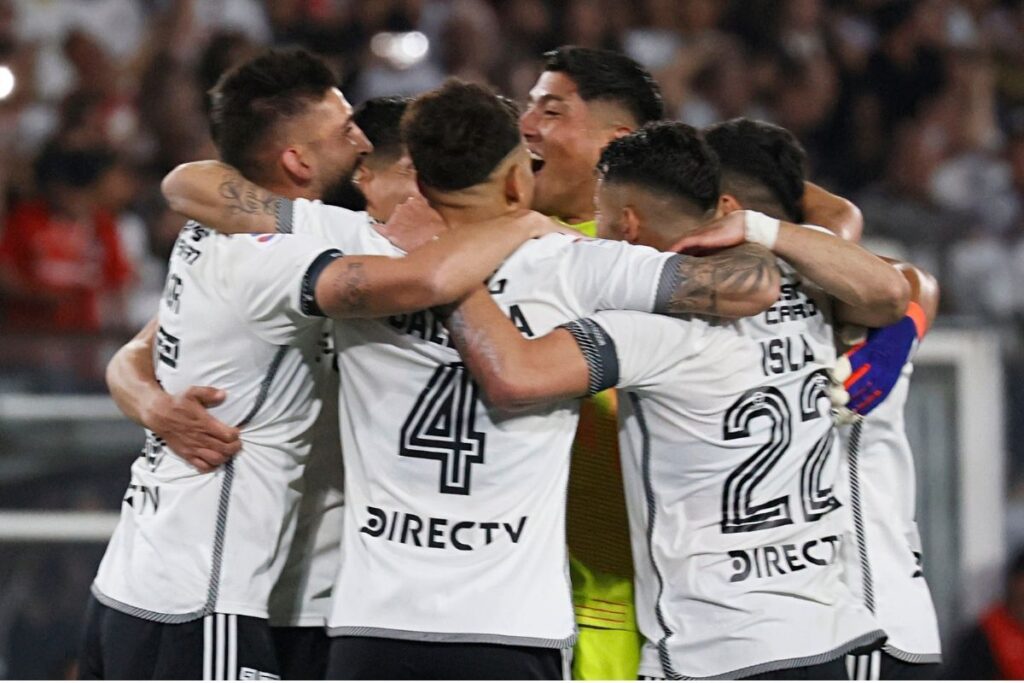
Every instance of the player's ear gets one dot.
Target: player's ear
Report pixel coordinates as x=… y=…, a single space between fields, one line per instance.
x=296 y=165
x=515 y=185
x=727 y=203
x=629 y=226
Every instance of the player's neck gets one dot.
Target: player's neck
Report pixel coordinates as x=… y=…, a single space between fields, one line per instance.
x=580 y=211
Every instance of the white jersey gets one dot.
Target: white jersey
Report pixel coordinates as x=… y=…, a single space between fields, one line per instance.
x=302 y=594
x=455 y=513
x=730 y=458
x=235 y=314
x=884 y=562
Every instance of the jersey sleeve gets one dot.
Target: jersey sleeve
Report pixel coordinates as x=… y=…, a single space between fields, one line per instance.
x=631 y=350
x=349 y=231
x=610 y=275
x=274 y=284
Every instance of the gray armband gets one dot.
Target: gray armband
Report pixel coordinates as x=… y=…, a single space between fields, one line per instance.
x=598 y=349
x=668 y=284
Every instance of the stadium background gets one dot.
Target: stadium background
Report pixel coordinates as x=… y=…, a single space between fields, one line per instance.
x=915 y=110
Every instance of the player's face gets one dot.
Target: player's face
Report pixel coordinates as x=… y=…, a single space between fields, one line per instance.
x=387 y=187
x=337 y=144
x=566 y=144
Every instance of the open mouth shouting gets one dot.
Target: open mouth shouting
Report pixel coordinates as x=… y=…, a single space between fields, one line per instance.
x=536 y=162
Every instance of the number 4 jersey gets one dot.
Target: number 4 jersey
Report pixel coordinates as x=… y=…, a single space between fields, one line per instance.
x=730 y=458
x=455 y=514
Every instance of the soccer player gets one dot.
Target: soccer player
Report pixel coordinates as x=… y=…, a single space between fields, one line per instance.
x=183 y=588
x=731 y=456
x=453 y=561
x=584 y=99
x=763 y=169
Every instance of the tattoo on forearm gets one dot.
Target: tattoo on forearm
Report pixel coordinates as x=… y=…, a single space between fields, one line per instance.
x=354 y=288
x=693 y=284
x=245 y=197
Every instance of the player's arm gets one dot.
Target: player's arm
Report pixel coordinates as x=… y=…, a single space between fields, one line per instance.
x=216 y=195
x=440 y=272
x=182 y=420
x=868 y=290
x=832 y=212
x=870 y=370
x=733 y=283
x=513 y=372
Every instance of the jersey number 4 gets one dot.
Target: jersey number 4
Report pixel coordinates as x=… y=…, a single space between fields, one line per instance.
x=442 y=426
x=740 y=512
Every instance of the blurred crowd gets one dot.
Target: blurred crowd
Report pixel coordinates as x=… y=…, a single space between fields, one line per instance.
x=913 y=108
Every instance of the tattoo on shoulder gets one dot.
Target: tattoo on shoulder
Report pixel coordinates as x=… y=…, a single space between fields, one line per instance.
x=694 y=284
x=243 y=196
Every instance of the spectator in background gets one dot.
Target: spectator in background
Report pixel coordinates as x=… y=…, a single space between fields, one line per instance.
x=994 y=648
x=61 y=262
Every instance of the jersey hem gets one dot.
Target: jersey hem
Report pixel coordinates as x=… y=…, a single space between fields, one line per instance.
x=493 y=638
x=298 y=622
x=912 y=657
x=146 y=614
x=813 y=660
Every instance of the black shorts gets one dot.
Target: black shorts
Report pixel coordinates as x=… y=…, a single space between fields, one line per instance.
x=882 y=666
x=301 y=651
x=828 y=671
x=355 y=657
x=217 y=647
x=834 y=670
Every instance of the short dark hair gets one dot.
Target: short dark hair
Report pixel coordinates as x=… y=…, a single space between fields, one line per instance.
x=667 y=158
x=608 y=76
x=763 y=166
x=380 y=119
x=458 y=134
x=251 y=99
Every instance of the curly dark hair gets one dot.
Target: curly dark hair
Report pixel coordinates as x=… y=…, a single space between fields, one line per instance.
x=667 y=158
x=605 y=75
x=763 y=166
x=252 y=99
x=458 y=134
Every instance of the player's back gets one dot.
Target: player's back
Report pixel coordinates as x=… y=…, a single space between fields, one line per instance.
x=189 y=543
x=730 y=456
x=455 y=513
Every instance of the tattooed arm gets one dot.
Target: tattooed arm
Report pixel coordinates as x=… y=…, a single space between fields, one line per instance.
x=733 y=283
x=438 y=273
x=216 y=195
x=517 y=373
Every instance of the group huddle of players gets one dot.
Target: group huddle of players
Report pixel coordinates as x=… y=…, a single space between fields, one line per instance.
x=465 y=326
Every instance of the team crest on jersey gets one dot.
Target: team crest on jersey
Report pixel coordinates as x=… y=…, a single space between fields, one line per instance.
x=266 y=239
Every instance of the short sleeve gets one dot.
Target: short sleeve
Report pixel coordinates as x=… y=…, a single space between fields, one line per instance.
x=274 y=281
x=349 y=231
x=631 y=350
x=610 y=275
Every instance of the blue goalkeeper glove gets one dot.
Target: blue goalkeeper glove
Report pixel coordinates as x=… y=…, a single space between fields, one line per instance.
x=870 y=370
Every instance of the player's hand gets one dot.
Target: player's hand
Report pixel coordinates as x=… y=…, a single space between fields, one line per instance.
x=182 y=421
x=412 y=224
x=870 y=370
x=728 y=231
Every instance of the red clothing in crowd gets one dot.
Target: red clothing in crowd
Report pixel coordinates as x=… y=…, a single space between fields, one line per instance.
x=72 y=264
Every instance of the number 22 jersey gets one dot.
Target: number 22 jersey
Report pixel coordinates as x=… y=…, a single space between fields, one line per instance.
x=730 y=458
